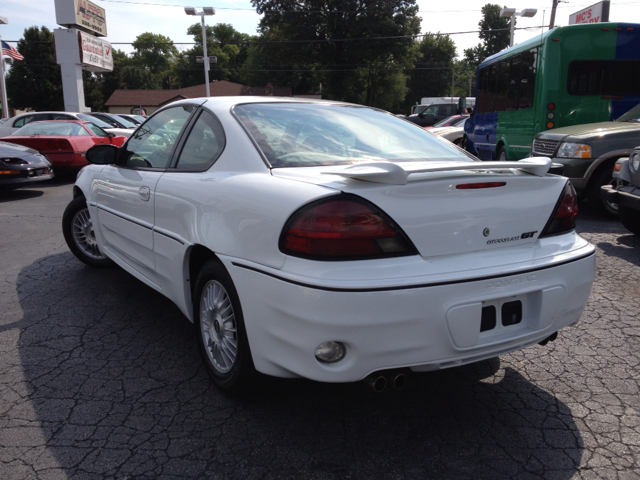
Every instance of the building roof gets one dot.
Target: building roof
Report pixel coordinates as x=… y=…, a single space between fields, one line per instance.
x=221 y=88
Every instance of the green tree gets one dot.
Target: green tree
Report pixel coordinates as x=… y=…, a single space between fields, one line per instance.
x=224 y=42
x=432 y=74
x=495 y=34
x=357 y=49
x=35 y=83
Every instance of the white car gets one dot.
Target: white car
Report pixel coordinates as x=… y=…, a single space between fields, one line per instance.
x=19 y=121
x=332 y=241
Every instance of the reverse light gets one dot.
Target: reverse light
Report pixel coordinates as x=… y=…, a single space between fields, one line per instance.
x=574 y=150
x=344 y=227
x=564 y=216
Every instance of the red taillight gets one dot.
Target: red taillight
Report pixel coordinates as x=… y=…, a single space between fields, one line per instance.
x=564 y=216
x=64 y=145
x=343 y=228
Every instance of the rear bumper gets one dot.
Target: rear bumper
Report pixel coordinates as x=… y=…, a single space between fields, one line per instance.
x=424 y=327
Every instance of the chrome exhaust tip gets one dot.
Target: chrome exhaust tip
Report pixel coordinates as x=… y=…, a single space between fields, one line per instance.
x=377 y=382
x=399 y=381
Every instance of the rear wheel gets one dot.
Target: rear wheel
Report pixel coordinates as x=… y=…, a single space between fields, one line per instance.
x=502 y=155
x=597 y=203
x=222 y=338
x=79 y=234
x=630 y=219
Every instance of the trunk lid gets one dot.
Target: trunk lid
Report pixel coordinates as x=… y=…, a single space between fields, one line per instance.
x=441 y=218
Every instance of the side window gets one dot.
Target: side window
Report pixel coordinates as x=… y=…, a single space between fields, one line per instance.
x=204 y=144
x=152 y=144
x=513 y=88
x=528 y=80
x=432 y=110
x=96 y=130
x=448 y=110
x=22 y=121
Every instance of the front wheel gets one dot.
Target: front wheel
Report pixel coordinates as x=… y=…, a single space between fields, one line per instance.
x=79 y=234
x=502 y=155
x=596 y=202
x=222 y=338
x=630 y=219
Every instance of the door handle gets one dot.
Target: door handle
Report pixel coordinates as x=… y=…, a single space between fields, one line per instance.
x=144 y=193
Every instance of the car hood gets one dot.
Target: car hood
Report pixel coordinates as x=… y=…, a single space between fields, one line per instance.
x=591 y=130
x=444 y=130
x=8 y=149
x=441 y=219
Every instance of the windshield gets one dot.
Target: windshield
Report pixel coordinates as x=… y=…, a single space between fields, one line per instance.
x=52 y=128
x=94 y=120
x=445 y=122
x=301 y=135
x=632 y=115
x=125 y=122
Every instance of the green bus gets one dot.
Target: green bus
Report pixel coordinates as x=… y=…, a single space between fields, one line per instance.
x=566 y=76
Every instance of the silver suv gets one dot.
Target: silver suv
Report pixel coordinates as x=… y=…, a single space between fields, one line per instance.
x=625 y=190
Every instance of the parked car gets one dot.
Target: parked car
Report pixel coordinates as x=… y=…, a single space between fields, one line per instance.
x=332 y=241
x=452 y=134
x=136 y=119
x=589 y=152
x=63 y=142
x=432 y=114
x=452 y=121
x=625 y=191
x=21 y=166
x=114 y=120
x=23 y=119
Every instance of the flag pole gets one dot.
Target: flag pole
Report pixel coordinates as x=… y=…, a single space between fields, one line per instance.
x=3 y=85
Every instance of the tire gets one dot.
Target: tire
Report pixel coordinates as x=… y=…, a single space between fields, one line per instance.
x=464 y=143
x=79 y=234
x=596 y=202
x=222 y=337
x=630 y=219
x=502 y=154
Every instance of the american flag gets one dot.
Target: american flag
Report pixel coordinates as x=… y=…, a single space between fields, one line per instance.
x=9 y=51
x=142 y=112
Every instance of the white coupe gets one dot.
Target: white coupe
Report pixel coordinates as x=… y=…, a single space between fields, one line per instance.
x=332 y=241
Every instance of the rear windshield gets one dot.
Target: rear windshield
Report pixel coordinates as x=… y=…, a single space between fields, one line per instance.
x=52 y=128
x=301 y=135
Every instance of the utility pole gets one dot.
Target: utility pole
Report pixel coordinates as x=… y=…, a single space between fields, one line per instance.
x=553 y=14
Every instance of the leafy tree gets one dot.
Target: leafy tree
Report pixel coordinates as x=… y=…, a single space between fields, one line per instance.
x=229 y=46
x=35 y=83
x=495 y=34
x=432 y=74
x=324 y=44
x=154 y=52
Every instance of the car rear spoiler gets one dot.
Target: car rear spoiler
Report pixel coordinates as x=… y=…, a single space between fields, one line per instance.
x=395 y=174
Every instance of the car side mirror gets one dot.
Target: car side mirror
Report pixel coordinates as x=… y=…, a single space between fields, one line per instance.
x=111 y=134
x=102 y=154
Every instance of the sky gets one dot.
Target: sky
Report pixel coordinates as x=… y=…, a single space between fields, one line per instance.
x=126 y=19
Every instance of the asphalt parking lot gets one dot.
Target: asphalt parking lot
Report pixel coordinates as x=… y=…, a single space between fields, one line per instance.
x=100 y=378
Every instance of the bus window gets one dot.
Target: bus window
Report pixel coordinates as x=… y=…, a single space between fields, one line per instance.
x=500 y=100
x=528 y=79
x=513 y=87
x=604 y=77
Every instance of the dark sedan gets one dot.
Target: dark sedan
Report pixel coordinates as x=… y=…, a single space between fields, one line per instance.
x=21 y=166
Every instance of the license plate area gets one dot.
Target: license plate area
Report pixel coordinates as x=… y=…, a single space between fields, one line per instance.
x=503 y=314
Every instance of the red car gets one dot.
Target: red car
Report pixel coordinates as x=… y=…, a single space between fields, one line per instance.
x=452 y=121
x=63 y=142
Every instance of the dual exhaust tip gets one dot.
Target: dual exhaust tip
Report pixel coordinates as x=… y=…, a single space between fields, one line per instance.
x=379 y=382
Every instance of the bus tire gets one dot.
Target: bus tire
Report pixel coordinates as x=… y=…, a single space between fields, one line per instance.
x=601 y=177
x=502 y=154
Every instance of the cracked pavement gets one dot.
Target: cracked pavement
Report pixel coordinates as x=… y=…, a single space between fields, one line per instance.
x=100 y=378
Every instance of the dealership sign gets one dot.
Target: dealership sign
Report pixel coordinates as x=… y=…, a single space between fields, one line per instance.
x=594 y=14
x=95 y=53
x=81 y=14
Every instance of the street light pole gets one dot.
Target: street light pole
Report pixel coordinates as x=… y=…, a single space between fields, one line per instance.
x=205 y=11
x=511 y=13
